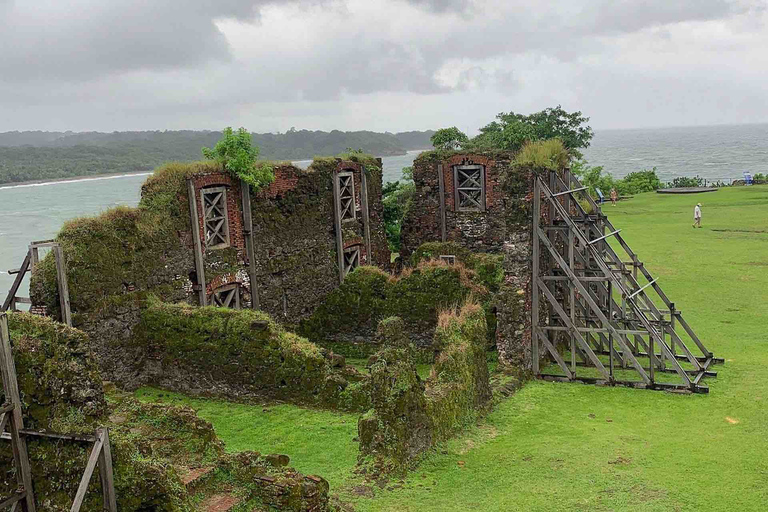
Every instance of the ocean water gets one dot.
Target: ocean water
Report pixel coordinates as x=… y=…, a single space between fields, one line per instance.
x=37 y=211
x=712 y=152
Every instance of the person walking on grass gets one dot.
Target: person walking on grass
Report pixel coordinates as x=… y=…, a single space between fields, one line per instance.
x=614 y=196
x=697 y=216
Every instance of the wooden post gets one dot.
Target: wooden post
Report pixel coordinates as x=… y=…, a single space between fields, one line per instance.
x=16 y=422
x=35 y=256
x=672 y=327
x=610 y=319
x=573 y=302
x=10 y=299
x=195 y=225
x=93 y=460
x=245 y=190
x=535 y=277
x=105 y=474
x=337 y=223
x=441 y=182
x=61 y=276
x=366 y=220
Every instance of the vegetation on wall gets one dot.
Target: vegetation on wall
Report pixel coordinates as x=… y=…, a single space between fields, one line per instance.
x=487 y=267
x=247 y=351
x=368 y=295
x=548 y=154
x=126 y=248
x=397 y=198
x=237 y=155
x=409 y=415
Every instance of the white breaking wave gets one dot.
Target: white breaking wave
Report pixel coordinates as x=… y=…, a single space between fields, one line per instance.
x=77 y=180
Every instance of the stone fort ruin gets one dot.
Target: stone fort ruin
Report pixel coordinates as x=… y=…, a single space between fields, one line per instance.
x=498 y=255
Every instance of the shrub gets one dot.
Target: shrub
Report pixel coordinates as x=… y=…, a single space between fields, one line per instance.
x=633 y=183
x=368 y=295
x=685 y=182
x=238 y=156
x=640 y=181
x=397 y=198
x=449 y=138
x=544 y=154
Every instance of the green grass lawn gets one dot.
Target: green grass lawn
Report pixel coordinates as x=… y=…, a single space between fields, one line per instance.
x=318 y=442
x=555 y=446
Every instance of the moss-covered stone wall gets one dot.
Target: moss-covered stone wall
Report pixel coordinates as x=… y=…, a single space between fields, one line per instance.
x=352 y=312
x=295 y=237
x=116 y=259
x=224 y=352
x=154 y=446
x=479 y=231
x=408 y=416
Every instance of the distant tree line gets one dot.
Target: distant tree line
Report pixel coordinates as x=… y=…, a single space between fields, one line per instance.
x=26 y=156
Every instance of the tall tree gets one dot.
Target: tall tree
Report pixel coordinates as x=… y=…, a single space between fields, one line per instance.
x=449 y=138
x=511 y=130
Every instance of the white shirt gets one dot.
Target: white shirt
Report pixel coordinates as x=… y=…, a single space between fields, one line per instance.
x=697 y=213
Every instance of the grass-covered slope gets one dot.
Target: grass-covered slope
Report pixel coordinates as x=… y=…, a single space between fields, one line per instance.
x=577 y=447
x=154 y=446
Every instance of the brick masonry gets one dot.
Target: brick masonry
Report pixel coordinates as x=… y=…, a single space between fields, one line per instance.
x=294 y=235
x=504 y=227
x=478 y=231
x=236 y=232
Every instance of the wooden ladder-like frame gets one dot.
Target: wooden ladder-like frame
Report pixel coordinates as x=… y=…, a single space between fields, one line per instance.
x=30 y=260
x=11 y=416
x=591 y=306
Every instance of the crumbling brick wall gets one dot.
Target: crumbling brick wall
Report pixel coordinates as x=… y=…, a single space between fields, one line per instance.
x=218 y=273
x=119 y=257
x=503 y=227
x=479 y=231
x=295 y=236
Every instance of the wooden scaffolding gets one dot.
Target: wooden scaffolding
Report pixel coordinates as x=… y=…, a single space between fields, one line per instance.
x=11 y=417
x=598 y=314
x=30 y=260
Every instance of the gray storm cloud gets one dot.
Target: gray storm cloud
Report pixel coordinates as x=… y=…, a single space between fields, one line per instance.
x=100 y=64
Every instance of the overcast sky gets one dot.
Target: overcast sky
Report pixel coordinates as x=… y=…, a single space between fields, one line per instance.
x=378 y=64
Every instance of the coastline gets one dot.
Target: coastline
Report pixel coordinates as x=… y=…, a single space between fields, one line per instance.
x=122 y=174
x=86 y=177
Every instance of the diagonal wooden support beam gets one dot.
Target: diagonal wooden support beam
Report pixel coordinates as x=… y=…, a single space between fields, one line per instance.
x=646 y=273
x=655 y=336
x=93 y=459
x=574 y=332
x=593 y=305
x=543 y=339
x=17 y=283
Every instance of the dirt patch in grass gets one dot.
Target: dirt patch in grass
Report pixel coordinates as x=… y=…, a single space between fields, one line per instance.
x=363 y=491
x=643 y=494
